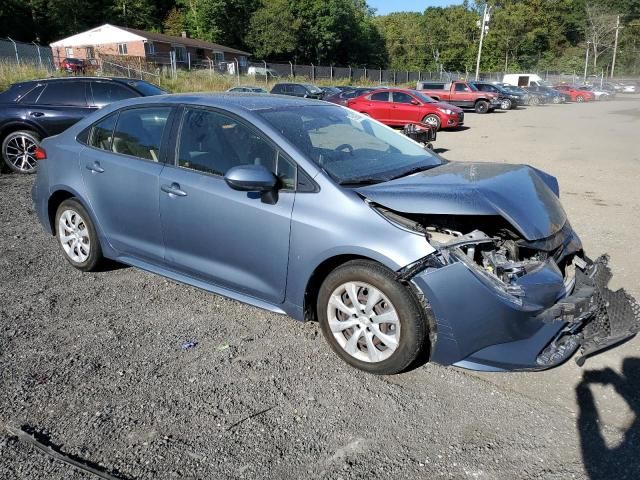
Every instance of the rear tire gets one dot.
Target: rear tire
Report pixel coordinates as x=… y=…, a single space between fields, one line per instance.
x=433 y=120
x=373 y=322
x=18 y=151
x=481 y=106
x=77 y=236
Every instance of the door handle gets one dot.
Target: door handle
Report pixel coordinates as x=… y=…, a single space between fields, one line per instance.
x=173 y=189
x=95 y=168
x=36 y=114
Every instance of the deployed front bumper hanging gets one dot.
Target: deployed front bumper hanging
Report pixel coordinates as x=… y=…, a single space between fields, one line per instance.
x=597 y=317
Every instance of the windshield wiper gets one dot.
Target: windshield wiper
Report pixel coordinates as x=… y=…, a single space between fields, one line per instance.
x=362 y=181
x=413 y=170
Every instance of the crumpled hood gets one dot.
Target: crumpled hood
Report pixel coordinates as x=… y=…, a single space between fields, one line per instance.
x=524 y=196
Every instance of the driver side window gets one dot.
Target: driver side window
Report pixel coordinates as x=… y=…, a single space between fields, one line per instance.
x=211 y=142
x=460 y=87
x=401 y=97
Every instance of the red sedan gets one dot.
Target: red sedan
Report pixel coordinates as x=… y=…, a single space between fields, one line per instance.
x=398 y=106
x=576 y=94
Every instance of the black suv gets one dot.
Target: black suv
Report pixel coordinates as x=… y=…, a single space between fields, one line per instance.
x=305 y=90
x=33 y=110
x=508 y=99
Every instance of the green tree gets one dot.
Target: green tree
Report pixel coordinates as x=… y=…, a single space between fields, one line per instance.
x=174 y=23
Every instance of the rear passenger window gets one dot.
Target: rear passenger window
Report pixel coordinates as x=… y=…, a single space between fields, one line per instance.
x=105 y=93
x=68 y=93
x=380 y=97
x=32 y=95
x=102 y=133
x=139 y=132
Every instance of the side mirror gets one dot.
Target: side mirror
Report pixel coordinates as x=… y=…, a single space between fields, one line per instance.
x=251 y=178
x=415 y=102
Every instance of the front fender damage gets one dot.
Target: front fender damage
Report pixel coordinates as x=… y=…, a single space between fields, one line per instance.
x=545 y=291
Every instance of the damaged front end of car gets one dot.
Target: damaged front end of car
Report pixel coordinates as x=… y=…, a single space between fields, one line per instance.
x=502 y=302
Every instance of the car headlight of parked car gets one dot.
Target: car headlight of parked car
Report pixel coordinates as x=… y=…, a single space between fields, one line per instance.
x=446 y=111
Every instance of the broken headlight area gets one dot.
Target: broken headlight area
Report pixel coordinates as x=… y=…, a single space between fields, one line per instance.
x=597 y=318
x=495 y=252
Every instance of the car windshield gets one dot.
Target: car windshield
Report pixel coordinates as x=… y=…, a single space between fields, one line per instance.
x=146 y=88
x=422 y=97
x=351 y=147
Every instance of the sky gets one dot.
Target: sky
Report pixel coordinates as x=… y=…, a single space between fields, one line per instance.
x=387 y=6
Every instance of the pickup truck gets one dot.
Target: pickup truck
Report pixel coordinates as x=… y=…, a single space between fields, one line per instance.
x=461 y=94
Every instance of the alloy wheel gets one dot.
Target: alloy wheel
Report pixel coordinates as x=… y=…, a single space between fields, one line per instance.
x=363 y=321
x=19 y=152
x=74 y=236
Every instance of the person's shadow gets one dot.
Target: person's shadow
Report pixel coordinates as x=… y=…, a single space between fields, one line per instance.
x=600 y=461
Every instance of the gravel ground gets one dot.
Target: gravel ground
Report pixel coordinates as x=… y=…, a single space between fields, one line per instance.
x=94 y=361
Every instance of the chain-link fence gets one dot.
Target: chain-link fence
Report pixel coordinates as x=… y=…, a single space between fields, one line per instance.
x=25 y=53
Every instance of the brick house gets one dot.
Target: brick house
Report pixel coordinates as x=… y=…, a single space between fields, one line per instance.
x=151 y=46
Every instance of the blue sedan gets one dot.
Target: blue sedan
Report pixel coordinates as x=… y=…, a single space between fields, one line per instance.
x=310 y=209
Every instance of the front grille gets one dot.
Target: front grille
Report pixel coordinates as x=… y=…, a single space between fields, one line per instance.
x=461 y=117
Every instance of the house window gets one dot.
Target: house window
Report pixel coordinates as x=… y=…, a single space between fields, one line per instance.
x=149 y=49
x=68 y=52
x=181 y=53
x=218 y=57
x=242 y=61
x=89 y=52
x=122 y=49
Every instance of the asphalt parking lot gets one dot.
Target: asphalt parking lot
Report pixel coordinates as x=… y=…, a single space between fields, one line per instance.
x=95 y=364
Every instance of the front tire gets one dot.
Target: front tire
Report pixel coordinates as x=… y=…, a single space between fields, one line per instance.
x=481 y=106
x=77 y=236
x=18 y=151
x=579 y=99
x=433 y=120
x=506 y=104
x=373 y=322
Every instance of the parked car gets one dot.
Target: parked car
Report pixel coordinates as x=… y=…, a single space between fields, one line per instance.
x=329 y=215
x=33 y=110
x=600 y=93
x=461 y=94
x=247 y=89
x=329 y=91
x=550 y=95
x=343 y=97
x=72 y=65
x=508 y=98
x=399 y=106
x=305 y=90
x=576 y=94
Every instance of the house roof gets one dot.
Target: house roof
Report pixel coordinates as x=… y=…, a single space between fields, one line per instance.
x=107 y=34
x=191 y=42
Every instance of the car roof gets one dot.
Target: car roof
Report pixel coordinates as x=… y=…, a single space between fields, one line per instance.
x=70 y=79
x=231 y=100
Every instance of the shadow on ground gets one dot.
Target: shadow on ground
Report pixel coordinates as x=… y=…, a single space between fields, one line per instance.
x=602 y=462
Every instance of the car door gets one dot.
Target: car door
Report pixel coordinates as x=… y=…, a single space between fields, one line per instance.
x=377 y=105
x=463 y=95
x=404 y=109
x=60 y=104
x=121 y=168
x=225 y=237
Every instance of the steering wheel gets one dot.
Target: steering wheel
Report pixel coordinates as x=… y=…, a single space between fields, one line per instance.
x=343 y=147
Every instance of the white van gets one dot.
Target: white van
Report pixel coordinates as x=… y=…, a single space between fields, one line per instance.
x=523 y=79
x=262 y=72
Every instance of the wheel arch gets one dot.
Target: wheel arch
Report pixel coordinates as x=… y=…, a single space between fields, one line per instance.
x=319 y=274
x=16 y=126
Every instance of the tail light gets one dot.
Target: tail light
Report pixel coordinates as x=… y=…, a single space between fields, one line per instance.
x=40 y=154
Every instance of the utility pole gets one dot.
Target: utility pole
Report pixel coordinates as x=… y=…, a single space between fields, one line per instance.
x=615 y=47
x=586 y=64
x=484 y=25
